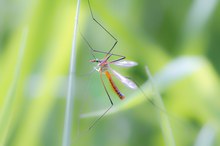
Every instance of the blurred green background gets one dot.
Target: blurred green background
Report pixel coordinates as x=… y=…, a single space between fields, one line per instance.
x=178 y=40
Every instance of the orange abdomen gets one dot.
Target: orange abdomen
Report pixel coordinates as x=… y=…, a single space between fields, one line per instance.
x=120 y=95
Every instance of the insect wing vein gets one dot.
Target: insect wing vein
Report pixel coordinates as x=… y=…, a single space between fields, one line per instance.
x=125 y=80
x=125 y=63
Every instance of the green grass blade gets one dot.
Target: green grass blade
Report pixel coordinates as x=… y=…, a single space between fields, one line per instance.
x=164 y=120
x=6 y=109
x=70 y=91
x=206 y=136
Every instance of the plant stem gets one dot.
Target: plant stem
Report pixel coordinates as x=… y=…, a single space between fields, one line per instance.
x=6 y=110
x=164 y=121
x=71 y=89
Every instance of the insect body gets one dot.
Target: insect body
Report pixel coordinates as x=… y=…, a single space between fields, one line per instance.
x=103 y=67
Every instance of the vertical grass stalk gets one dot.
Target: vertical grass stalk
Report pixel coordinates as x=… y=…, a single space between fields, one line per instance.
x=7 y=106
x=164 y=120
x=71 y=88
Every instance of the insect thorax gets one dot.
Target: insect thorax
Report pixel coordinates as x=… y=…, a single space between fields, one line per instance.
x=102 y=67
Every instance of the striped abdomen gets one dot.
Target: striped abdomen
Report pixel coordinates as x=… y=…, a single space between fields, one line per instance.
x=120 y=95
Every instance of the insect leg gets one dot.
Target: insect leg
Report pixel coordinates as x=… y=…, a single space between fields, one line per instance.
x=97 y=120
x=148 y=99
x=98 y=51
x=116 y=41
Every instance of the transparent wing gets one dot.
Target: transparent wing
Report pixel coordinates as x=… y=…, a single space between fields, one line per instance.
x=125 y=80
x=125 y=63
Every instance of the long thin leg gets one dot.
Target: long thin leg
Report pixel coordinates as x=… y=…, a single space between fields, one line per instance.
x=98 y=51
x=85 y=95
x=117 y=60
x=107 y=109
x=121 y=58
x=103 y=52
x=148 y=99
x=116 y=41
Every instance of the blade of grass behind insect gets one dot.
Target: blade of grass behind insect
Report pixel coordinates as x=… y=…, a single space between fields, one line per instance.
x=70 y=91
x=206 y=136
x=164 y=120
x=40 y=99
x=5 y=113
x=194 y=38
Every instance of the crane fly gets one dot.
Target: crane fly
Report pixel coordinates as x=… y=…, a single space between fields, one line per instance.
x=103 y=67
